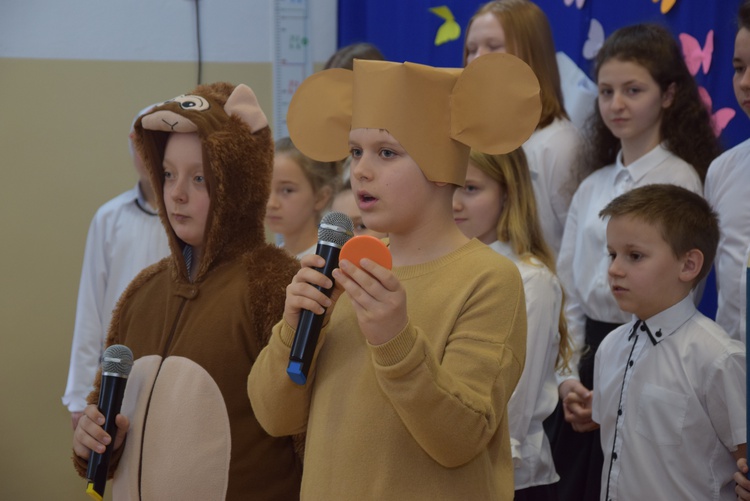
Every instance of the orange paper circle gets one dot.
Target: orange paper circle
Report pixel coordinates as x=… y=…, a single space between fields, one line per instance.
x=366 y=246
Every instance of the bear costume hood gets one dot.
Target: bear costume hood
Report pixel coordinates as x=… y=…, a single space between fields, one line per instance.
x=237 y=160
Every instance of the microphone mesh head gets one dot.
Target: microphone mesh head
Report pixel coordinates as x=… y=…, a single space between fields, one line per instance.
x=117 y=359
x=335 y=228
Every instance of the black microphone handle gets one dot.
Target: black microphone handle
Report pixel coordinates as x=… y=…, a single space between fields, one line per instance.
x=110 y=402
x=308 y=328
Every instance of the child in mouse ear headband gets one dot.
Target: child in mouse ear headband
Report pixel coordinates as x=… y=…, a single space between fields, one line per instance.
x=405 y=399
x=437 y=114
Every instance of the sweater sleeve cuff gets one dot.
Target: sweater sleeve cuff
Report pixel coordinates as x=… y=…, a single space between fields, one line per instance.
x=286 y=333
x=395 y=350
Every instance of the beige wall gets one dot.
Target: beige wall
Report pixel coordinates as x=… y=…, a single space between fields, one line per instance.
x=63 y=152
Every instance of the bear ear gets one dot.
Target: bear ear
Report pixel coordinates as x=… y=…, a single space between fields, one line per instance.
x=320 y=115
x=495 y=104
x=243 y=103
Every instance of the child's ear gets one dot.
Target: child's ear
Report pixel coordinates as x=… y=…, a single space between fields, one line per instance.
x=692 y=264
x=323 y=198
x=668 y=97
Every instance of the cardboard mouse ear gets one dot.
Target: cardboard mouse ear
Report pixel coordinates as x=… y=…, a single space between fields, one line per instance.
x=320 y=115
x=243 y=103
x=495 y=104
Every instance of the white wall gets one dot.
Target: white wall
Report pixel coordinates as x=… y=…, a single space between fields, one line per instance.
x=152 y=30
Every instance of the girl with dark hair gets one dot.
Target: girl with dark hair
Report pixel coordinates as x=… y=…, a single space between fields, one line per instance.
x=650 y=127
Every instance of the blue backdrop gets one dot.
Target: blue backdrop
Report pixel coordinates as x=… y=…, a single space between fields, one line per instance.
x=405 y=30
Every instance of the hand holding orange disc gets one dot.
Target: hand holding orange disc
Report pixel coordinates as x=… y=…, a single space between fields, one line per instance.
x=366 y=246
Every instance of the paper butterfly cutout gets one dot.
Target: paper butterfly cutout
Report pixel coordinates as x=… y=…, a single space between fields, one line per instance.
x=595 y=40
x=666 y=5
x=579 y=3
x=721 y=118
x=449 y=30
x=695 y=57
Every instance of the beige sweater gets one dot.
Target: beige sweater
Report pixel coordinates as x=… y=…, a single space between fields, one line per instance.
x=422 y=416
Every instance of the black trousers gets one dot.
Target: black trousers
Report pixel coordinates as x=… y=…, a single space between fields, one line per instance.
x=578 y=456
x=537 y=493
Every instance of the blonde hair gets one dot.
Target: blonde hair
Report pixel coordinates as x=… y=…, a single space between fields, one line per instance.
x=519 y=222
x=528 y=36
x=320 y=175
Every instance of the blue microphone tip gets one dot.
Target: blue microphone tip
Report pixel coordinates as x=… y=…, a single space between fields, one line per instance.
x=295 y=372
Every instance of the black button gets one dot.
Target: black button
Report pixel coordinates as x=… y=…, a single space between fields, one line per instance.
x=619 y=412
x=643 y=327
x=630 y=363
x=658 y=333
x=614 y=456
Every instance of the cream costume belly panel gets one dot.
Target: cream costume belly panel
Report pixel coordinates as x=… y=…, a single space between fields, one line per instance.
x=177 y=448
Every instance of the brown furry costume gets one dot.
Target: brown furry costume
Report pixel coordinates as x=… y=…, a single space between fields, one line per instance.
x=192 y=432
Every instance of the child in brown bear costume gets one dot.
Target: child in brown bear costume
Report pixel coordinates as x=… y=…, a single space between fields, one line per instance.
x=197 y=320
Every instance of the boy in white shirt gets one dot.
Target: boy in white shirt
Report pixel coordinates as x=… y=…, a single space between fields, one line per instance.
x=670 y=384
x=124 y=237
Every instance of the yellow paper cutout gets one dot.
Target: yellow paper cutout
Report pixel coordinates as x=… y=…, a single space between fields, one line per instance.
x=449 y=30
x=666 y=5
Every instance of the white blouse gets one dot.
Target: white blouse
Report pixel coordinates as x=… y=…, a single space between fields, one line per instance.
x=728 y=191
x=535 y=396
x=553 y=157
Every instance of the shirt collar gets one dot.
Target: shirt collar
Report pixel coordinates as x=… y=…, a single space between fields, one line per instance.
x=140 y=200
x=665 y=323
x=187 y=254
x=502 y=248
x=643 y=165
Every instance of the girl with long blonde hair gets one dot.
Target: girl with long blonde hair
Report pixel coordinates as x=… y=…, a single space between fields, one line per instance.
x=497 y=206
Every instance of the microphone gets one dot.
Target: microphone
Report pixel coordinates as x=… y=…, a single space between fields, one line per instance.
x=116 y=364
x=334 y=231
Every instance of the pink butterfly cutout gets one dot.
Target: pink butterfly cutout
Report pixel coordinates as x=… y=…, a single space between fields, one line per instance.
x=579 y=3
x=721 y=118
x=695 y=57
x=666 y=5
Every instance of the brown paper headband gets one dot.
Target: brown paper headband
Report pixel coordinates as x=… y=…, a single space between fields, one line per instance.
x=437 y=114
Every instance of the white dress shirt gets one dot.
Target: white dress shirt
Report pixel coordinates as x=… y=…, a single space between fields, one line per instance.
x=670 y=400
x=583 y=261
x=553 y=157
x=535 y=396
x=124 y=237
x=728 y=191
x=579 y=91
x=307 y=252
